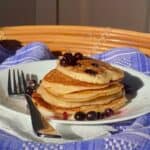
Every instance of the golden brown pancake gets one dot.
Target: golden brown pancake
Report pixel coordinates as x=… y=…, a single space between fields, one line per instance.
x=61 y=102
x=92 y=71
x=88 y=95
x=49 y=110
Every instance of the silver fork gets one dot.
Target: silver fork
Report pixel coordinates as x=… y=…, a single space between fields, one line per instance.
x=17 y=84
x=16 y=88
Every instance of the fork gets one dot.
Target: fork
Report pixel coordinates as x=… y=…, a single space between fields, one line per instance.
x=40 y=125
x=14 y=88
x=17 y=86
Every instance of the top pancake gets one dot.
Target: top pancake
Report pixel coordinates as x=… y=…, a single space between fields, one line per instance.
x=92 y=71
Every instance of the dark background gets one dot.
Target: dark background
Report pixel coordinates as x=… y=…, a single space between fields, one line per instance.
x=126 y=14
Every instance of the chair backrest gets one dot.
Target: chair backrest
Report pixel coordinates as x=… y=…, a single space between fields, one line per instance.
x=88 y=40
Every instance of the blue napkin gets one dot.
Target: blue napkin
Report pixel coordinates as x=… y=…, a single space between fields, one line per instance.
x=32 y=52
x=131 y=135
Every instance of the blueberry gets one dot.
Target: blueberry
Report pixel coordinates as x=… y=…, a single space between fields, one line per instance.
x=95 y=64
x=63 y=62
x=68 y=60
x=108 y=112
x=67 y=55
x=73 y=61
x=91 y=115
x=80 y=116
x=32 y=83
x=78 y=56
x=29 y=90
x=90 y=71
x=100 y=115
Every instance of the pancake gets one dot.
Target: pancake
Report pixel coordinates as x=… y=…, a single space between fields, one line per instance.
x=88 y=95
x=49 y=110
x=61 y=102
x=60 y=84
x=92 y=71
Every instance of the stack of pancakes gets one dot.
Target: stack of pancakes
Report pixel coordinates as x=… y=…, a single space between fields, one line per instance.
x=90 y=85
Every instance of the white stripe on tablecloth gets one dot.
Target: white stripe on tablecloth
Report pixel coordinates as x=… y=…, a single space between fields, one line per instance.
x=109 y=58
x=146 y=136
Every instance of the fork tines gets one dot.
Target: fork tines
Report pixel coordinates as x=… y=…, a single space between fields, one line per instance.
x=16 y=82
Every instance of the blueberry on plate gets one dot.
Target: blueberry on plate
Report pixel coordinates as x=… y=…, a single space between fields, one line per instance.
x=108 y=112
x=80 y=116
x=91 y=115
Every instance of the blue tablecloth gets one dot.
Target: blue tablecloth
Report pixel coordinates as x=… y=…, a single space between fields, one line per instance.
x=133 y=134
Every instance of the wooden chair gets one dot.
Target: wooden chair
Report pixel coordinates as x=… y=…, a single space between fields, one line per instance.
x=88 y=40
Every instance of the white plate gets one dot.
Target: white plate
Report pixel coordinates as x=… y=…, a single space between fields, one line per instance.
x=139 y=100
